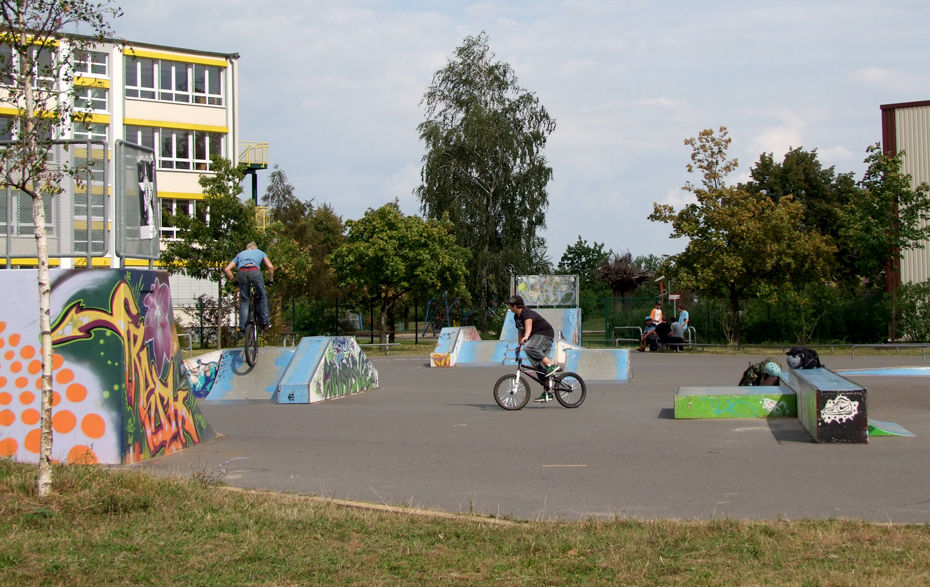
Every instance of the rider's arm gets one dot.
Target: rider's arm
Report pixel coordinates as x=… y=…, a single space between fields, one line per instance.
x=528 y=330
x=270 y=269
x=229 y=270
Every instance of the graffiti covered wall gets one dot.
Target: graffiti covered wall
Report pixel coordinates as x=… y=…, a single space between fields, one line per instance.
x=344 y=369
x=120 y=394
x=547 y=290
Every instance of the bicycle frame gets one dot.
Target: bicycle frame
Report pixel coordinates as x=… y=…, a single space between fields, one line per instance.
x=537 y=375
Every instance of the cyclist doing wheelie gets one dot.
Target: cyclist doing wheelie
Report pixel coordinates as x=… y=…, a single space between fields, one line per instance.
x=535 y=335
x=249 y=277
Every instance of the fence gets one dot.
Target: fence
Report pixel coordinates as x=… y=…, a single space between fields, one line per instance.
x=859 y=318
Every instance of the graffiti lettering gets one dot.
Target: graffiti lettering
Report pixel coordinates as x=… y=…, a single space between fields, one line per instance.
x=345 y=369
x=440 y=359
x=166 y=419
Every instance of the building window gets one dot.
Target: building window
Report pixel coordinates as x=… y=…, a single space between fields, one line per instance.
x=140 y=78
x=141 y=135
x=208 y=85
x=7 y=126
x=90 y=131
x=11 y=65
x=175 y=207
x=207 y=145
x=175 y=81
x=177 y=148
x=93 y=63
x=90 y=99
x=21 y=203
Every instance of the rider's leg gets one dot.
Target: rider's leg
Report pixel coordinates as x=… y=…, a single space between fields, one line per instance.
x=243 y=280
x=537 y=350
x=261 y=299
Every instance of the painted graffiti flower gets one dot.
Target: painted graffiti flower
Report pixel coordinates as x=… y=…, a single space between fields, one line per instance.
x=157 y=324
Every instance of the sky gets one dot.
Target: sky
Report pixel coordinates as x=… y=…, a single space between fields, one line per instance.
x=336 y=89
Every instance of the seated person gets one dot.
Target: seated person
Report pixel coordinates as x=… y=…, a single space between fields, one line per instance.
x=649 y=337
x=679 y=331
x=667 y=336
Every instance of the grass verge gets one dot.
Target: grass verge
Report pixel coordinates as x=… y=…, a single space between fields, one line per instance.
x=108 y=527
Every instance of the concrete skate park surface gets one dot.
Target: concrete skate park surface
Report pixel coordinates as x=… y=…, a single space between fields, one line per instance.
x=434 y=438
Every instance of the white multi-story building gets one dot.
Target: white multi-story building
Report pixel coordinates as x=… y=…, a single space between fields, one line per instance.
x=182 y=103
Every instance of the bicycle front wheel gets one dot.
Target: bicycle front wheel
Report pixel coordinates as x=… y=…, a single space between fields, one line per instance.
x=512 y=392
x=251 y=343
x=569 y=389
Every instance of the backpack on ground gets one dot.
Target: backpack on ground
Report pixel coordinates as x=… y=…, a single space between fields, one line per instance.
x=765 y=372
x=803 y=358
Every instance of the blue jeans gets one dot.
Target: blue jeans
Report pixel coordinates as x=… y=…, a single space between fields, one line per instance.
x=537 y=348
x=247 y=281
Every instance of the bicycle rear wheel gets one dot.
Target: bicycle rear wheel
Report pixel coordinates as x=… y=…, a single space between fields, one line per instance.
x=512 y=392
x=251 y=343
x=569 y=389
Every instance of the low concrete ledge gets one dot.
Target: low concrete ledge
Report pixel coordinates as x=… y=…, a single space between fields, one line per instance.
x=736 y=402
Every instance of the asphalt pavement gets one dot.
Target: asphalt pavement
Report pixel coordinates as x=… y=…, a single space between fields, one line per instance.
x=435 y=438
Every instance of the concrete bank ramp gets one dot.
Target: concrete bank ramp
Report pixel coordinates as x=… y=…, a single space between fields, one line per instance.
x=326 y=367
x=225 y=376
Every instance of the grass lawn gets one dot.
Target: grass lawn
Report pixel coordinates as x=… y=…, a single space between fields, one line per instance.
x=124 y=527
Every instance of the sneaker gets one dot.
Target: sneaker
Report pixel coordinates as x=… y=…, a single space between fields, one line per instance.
x=266 y=326
x=553 y=369
x=544 y=397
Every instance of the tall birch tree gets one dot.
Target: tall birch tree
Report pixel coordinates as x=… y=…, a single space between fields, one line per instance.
x=37 y=54
x=484 y=167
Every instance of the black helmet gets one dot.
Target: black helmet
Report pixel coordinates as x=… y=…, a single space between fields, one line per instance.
x=515 y=301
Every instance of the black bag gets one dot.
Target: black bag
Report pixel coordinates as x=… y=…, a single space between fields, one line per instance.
x=757 y=374
x=803 y=358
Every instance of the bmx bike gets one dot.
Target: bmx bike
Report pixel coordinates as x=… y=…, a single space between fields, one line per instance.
x=252 y=330
x=512 y=392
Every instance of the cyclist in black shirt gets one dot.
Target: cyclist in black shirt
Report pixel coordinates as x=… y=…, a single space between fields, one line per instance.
x=535 y=335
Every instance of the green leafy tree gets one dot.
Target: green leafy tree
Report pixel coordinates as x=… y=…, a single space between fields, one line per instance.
x=37 y=58
x=914 y=304
x=484 y=167
x=207 y=242
x=884 y=219
x=583 y=260
x=822 y=192
x=741 y=244
x=388 y=255
x=316 y=231
x=887 y=216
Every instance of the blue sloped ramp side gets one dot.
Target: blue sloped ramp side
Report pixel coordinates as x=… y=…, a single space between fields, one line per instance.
x=326 y=367
x=293 y=388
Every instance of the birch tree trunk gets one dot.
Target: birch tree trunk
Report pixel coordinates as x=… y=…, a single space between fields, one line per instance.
x=45 y=443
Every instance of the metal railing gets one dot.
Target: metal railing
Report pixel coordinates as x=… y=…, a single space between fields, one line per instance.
x=387 y=346
x=896 y=346
x=618 y=340
x=253 y=153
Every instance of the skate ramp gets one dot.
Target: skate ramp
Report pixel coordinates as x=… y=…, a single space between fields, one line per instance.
x=449 y=344
x=326 y=367
x=117 y=376
x=599 y=364
x=564 y=320
x=225 y=376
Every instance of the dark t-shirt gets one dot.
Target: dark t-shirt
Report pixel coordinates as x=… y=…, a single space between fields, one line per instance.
x=662 y=330
x=540 y=325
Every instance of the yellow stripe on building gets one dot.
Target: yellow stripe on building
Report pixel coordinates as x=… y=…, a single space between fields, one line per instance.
x=91 y=82
x=173 y=57
x=177 y=125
